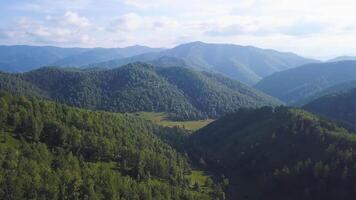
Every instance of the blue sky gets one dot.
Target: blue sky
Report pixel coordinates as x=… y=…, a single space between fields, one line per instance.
x=315 y=28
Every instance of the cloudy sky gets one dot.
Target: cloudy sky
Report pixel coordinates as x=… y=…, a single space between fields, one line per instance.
x=315 y=28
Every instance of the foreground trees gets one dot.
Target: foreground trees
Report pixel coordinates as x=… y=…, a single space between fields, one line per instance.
x=51 y=151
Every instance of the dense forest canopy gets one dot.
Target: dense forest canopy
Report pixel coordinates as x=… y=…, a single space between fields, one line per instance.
x=184 y=93
x=52 y=151
x=279 y=154
x=340 y=106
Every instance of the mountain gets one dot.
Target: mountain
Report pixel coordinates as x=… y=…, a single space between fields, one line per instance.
x=23 y=58
x=244 y=63
x=278 y=154
x=182 y=92
x=339 y=88
x=340 y=106
x=101 y=54
x=342 y=58
x=296 y=84
x=52 y=151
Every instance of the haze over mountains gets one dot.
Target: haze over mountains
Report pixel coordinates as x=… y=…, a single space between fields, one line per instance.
x=342 y=58
x=22 y=58
x=294 y=85
x=244 y=63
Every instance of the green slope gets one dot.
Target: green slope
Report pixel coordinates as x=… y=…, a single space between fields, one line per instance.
x=278 y=154
x=184 y=93
x=339 y=88
x=51 y=151
x=339 y=106
x=294 y=85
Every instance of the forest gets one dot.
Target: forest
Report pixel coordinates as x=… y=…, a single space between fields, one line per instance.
x=183 y=93
x=278 y=153
x=52 y=151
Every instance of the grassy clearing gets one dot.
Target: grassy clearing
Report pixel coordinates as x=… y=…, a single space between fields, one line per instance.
x=162 y=119
x=200 y=177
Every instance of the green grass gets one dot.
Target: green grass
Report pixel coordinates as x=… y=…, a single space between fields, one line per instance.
x=163 y=120
x=199 y=176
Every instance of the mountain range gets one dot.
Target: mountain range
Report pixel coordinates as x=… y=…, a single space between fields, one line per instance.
x=22 y=58
x=244 y=63
x=65 y=131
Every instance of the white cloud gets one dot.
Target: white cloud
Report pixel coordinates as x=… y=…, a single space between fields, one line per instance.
x=311 y=27
x=132 y=22
x=72 y=18
x=69 y=19
x=68 y=29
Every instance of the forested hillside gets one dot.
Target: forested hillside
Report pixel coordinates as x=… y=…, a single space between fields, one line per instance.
x=294 y=85
x=184 y=93
x=51 y=151
x=339 y=88
x=340 y=106
x=279 y=154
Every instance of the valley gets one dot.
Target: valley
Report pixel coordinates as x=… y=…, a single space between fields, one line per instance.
x=167 y=124
x=163 y=120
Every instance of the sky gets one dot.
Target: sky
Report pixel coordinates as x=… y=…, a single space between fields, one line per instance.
x=314 y=28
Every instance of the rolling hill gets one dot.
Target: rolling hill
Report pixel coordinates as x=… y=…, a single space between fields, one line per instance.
x=339 y=106
x=278 y=154
x=339 y=88
x=185 y=94
x=24 y=58
x=294 y=85
x=244 y=63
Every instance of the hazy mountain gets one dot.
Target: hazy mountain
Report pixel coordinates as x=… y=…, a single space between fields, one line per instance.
x=342 y=58
x=339 y=88
x=278 y=154
x=26 y=58
x=296 y=84
x=101 y=54
x=244 y=63
x=340 y=106
x=184 y=93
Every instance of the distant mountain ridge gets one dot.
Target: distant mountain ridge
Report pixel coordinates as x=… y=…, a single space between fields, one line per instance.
x=340 y=106
x=182 y=92
x=244 y=63
x=294 y=85
x=22 y=58
x=338 y=88
x=342 y=58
